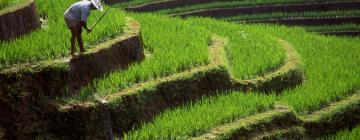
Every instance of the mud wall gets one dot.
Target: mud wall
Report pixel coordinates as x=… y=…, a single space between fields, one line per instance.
x=341 y=33
x=19 y=22
x=307 y=21
x=153 y=6
x=223 y=12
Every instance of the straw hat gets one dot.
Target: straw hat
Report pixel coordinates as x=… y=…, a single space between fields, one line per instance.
x=97 y=4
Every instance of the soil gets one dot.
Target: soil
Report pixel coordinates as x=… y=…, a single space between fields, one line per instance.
x=223 y=12
x=153 y=6
x=306 y=21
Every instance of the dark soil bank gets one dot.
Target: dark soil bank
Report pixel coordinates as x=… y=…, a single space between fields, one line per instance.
x=223 y=12
x=153 y=6
x=19 y=22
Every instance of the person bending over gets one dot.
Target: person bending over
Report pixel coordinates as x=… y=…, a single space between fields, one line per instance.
x=76 y=17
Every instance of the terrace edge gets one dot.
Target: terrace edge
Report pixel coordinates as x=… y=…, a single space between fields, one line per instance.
x=28 y=91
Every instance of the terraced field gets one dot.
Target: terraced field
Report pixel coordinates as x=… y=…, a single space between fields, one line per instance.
x=295 y=12
x=153 y=76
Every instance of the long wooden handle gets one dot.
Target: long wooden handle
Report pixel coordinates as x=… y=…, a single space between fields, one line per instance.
x=99 y=19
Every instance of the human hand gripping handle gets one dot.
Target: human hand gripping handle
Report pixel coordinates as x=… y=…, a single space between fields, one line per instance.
x=89 y=30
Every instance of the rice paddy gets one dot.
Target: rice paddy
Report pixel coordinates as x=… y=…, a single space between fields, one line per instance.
x=330 y=66
x=54 y=42
x=326 y=80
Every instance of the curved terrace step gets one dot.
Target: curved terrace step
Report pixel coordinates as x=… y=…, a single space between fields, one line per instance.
x=307 y=20
x=56 y=77
x=26 y=88
x=158 y=5
x=224 y=12
x=18 y=20
x=328 y=120
x=130 y=107
x=135 y=105
x=286 y=76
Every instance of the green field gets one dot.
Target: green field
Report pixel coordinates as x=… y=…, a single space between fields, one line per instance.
x=329 y=66
x=190 y=50
x=327 y=79
x=172 y=49
x=54 y=41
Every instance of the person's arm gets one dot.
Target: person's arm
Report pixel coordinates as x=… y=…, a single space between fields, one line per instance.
x=84 y=15
x=83 y=24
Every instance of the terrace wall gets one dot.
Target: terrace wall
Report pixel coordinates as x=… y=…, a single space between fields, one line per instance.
x=26 y=92
x=307 y=20
x=18 y=22
x=223 y=12
x=158 y=5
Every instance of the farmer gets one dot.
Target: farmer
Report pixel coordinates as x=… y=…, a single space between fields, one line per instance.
x=76 y=16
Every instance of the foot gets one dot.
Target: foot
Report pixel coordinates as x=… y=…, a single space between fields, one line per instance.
x=72 y=54
x=82 y=51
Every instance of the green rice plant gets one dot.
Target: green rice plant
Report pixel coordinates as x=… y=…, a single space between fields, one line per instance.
x=175 y=46
x=250 y=51
x=345 y=135
x=335 y=13
x=331 y=68
x=54 y=42
x=196 y=118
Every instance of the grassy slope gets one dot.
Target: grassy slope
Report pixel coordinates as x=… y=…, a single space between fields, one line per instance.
x=174 y=45
x=177 y=45
x=331 y=69
x=340 y=27
x=242 y=51
x=53 y=42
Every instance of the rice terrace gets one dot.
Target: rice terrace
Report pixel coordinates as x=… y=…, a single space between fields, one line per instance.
x=179 y=69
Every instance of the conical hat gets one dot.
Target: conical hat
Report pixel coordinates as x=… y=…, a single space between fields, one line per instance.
x=97 y=4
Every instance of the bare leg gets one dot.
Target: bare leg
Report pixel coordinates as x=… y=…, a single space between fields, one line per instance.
x=72 y=40
x=80 y=40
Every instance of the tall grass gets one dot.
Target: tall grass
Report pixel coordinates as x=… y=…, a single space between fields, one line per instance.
x=175 y=46
x=345 y=135
x=54 y=42
x=331 y=67
x=250 y=52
